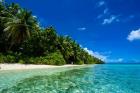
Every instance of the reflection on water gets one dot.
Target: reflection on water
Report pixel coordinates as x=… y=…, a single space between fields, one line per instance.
x=99 y=79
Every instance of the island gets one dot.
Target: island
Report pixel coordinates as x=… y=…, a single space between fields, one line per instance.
x=24 y=41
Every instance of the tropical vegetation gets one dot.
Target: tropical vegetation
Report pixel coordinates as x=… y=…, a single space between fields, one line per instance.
x=23 y=40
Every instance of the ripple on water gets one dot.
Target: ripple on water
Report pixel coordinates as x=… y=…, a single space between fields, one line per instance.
x=100 y=79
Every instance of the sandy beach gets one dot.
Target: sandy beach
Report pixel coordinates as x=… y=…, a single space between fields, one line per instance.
x=30 y=66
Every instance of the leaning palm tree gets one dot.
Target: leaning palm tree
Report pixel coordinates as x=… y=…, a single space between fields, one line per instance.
x=13 y=9
x=19 y=27
x=66 y=48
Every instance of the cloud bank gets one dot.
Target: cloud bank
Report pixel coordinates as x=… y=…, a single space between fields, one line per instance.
x=101 y=3
x=118 y=60
x=82 y=28
x=134 y=35
x=96 y=54
x=104 y=56
x=105 y=11
x=109 y=20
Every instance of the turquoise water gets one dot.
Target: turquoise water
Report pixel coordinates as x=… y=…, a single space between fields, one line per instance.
x=96 y=79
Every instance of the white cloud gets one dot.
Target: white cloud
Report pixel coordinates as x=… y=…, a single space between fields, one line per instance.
x=34 y=16
x=104 y=56
x=120 y=60
x=134 y=35
x=99 y=16
x=106 y=11
x=128 y=18
x=82 y=28
x=110 y=20
x=101 y=3
x=96 y=54
x=115 y=60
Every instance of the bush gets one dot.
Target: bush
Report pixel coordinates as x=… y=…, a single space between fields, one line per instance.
x=10 y=59
x=2 y=58
x=30 y=61
x=79 y=62
x=55 y=59
x=21 y=61
x=7 y=59
x=51 y=59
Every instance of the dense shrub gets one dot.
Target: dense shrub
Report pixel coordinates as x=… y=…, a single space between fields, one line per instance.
x=55 y=59
x=10 y=59
x=7 y=59
x=40 y=43
x=21 y=61
x=51 y=59
x=79 y=63
x=2 y=58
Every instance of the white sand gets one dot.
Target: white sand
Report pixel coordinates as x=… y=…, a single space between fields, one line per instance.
x=31 y=66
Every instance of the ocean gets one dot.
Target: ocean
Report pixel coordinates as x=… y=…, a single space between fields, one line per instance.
x=105 y=78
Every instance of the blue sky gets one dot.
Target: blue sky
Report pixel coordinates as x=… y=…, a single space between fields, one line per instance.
x=108 y=29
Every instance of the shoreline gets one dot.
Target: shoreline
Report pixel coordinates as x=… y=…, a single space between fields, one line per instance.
x=4 y=67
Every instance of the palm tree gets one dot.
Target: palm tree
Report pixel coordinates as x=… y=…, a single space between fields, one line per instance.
x=13 y=9
x=19 y=27
x=65 y=45
x=51 y=38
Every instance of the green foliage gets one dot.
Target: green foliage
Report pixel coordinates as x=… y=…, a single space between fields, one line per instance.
x=51 y=59
x=17 y=24
x=7 y=59
x=10 y=59
x=2 y=58
x=29 y=43
x=21 y=61
x=40 y=43
x=79 y=62
x=55 y=59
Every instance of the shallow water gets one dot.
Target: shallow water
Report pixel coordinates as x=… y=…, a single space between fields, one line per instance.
x=97 y=79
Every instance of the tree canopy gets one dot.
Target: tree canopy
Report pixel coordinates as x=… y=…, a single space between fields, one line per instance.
x=22 y=40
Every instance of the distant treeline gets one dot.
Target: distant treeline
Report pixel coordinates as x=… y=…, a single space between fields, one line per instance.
x=23 y=40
